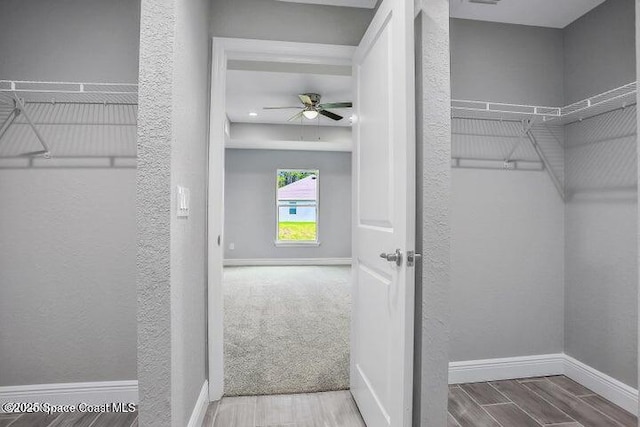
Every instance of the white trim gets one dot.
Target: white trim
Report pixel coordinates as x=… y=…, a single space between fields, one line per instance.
x=241 y=144
x=286 y=261
x=94 y=393
x=363 y=4
x=506 y=368
x=200 y=408
x=294 y=244
x=223 y=50
x=611 y=389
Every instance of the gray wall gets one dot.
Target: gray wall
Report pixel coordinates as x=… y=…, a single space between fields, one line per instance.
x=601 y=244
x=67 y=238
x=277 y=20
x=71 y=40
x=507 y=242
x=250 y=194
x=67 y=300
x=601 y=211
x=506 y=265
x=506 y=63
x=173 y=124
x=599 y=50
x=188 y=236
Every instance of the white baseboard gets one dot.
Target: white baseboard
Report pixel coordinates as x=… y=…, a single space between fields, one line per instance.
x=286 y=261
x=506 y=368
x=200 y=408
x=544 y=365
x=608 y=387
x=94 y=393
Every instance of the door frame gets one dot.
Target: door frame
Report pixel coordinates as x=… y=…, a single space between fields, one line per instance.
x=223 y=50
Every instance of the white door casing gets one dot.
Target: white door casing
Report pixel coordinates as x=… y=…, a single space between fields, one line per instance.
x=384 y=217
x=223 y=50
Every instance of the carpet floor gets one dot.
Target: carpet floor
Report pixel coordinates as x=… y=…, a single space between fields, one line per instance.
x=286 y=329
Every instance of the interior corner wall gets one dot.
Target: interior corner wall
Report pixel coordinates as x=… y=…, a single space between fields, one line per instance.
x=250 y=203
x=67 y=235
x=173 y=128
x=601 y=209
x=507 y=245
x=599 y=50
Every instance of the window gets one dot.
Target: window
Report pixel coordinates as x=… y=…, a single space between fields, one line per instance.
x=297 y=205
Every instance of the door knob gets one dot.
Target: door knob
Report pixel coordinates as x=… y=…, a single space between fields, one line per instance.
x=393 y=257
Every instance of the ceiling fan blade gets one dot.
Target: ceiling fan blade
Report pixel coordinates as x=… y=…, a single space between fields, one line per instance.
x=331 y=115
x=295 y=116
x=306 y=100
x=280 y=108
x=336 y=105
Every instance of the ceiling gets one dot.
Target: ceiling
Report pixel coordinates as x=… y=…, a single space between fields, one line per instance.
x=541 y=13
x=252 y=86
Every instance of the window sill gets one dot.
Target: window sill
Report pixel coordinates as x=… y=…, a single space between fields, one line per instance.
x=285 y=244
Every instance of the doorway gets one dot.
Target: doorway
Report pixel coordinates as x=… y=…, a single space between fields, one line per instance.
x=381 y=333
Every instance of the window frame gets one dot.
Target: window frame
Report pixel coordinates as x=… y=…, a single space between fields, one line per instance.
x=292 y=243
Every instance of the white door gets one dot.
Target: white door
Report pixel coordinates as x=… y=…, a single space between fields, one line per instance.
x=384 y=218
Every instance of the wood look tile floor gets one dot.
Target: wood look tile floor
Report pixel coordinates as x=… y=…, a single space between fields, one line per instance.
x=535 y=402
x=41 y=419
x=327 y=409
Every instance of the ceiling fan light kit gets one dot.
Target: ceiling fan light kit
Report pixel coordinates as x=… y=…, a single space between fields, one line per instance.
x=310 y=114
x=311 y=108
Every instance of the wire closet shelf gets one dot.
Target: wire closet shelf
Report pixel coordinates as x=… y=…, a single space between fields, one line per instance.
x=31 y=92
x=494 y=135
x=61 y=115
x=618 y=98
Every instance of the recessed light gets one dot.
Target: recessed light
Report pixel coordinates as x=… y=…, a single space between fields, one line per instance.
x=253 y=114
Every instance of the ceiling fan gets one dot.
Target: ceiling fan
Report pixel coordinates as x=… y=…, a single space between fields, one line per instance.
x=311 y=107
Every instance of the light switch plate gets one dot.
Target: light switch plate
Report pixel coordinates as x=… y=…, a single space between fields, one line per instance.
x=184 y=199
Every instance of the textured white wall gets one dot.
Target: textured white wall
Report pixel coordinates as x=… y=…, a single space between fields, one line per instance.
x=433 y=171
x=173 y=123
x=155 y=133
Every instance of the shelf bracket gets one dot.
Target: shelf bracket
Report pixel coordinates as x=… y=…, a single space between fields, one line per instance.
x=526 y=127
x=545 y=162
x=9 y=121
x=20 y=109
